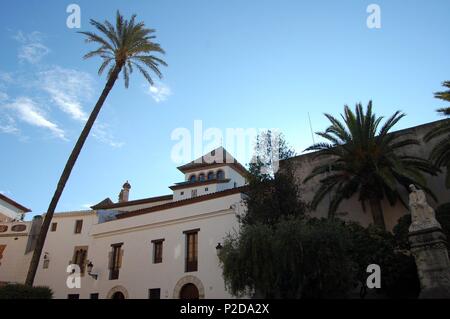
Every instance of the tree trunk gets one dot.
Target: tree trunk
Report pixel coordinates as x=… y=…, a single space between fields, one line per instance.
x=66 y=173
x=377 y=213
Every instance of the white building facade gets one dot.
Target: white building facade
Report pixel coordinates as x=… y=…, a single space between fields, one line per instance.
x=159 y=247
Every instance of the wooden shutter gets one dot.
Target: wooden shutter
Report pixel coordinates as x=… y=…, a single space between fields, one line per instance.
x=119 y=260
x=110 y=260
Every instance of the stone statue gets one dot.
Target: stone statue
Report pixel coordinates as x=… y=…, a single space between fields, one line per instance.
x=422 y=214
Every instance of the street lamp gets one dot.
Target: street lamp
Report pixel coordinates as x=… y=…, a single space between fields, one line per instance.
x=89 y=270
x=219 y=248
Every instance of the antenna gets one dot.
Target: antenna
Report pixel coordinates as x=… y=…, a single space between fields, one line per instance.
x=311 y=129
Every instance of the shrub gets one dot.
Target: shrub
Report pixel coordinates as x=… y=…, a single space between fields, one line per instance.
x=294 y=258
x=19 y=291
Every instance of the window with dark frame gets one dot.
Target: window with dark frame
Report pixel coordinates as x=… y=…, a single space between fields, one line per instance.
x=73 y=296
x=94 y=296
x=80 y=257
x=78 y=226
x=191 y=250
x=157 y=250
x=220 y=175
x=193 y=193
x=154 y=293
x=115 y=261
x=54 y=225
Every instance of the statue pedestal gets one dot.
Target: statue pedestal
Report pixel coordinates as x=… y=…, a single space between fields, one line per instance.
x=429 y=247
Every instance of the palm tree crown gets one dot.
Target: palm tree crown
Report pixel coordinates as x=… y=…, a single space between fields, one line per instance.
x=126 y=45
x=440 y=154
x=445 y=95
x=363 y=159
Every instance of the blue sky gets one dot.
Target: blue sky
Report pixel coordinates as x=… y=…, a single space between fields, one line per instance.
x=232 y=64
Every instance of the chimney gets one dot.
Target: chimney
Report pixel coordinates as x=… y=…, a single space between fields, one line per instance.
x=125 y=192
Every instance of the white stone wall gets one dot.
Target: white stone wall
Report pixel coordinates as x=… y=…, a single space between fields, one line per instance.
x=14 y=263
x=138 y=274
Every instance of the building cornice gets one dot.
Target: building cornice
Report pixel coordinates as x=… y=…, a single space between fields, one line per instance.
x=183 y=202
x=134 y=202
x=14 y=203
x=199 y=183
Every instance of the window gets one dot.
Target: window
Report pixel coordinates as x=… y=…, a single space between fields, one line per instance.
x=157 y=250
x=115 y=261
x=54 y=225
x=191 y=250
x=181 y=193
x=2 y=249
x=206 y=189
x=210 y=176
x=73 y=296
x=220 y=174
x=194 y=193
x=201 y=177
x=18 y=228
x=192 y=178
x=154 y=293
x=94 y=296
x=80 y=257
x=46 y=261
x=78 y=226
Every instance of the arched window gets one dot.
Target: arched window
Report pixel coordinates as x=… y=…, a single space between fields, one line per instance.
x=210 y=176
x=201 y=177
x=220 y=174
x=192 y=178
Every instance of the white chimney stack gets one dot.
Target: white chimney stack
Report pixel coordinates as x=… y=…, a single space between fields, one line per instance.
x=125 y=192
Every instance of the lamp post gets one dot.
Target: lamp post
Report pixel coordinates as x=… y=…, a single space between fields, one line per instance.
x=218 y=248
x=89 y=270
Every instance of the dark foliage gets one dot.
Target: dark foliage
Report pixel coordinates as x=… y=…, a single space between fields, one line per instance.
x=18 y=291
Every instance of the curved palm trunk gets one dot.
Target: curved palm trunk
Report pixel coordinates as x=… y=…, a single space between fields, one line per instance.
x=66 y=173
x=377 y=212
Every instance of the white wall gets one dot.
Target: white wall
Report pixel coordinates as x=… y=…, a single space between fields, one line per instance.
x=14 y=264
x=138 y=274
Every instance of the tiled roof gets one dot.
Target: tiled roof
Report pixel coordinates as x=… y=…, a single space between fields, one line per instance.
x=183 y=202
x=105 y=205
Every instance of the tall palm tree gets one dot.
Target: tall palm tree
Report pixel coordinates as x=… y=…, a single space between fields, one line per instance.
x=362 y=159
x=440 y=154
x=126 y=45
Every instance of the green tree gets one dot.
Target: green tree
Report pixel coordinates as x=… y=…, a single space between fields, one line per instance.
x=272 y=190
x=372 y=245
x=277 y=252
x=126 y=45
x=440 y=154
x=364 y=159
x=295 y=258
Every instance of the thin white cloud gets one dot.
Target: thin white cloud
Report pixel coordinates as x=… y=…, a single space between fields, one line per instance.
x=159 y=92
x=67 y=89
x=29 y=112
x=8 y=124
x=32 y=49
x=101 y=132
